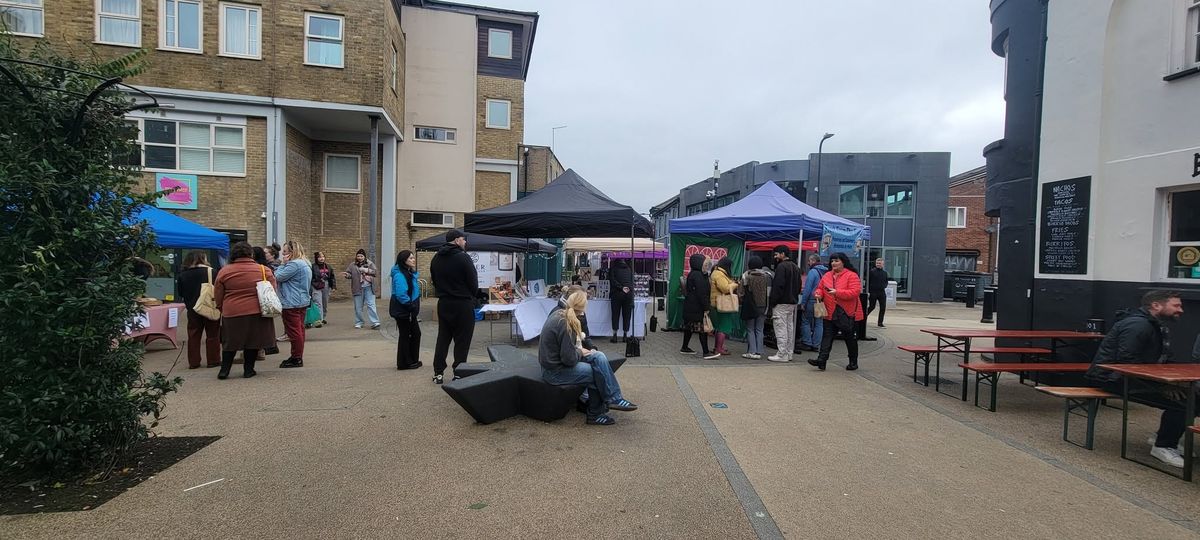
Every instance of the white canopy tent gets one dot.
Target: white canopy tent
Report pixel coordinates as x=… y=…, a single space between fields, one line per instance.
x=612 y=244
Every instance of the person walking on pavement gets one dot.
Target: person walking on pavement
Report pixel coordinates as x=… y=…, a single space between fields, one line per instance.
x=696 y=303
x=295 y=278
x=362 y=273
x=877 y=281
x=243 y=328
x=200 y=331
x=1139 y=336
x=753 y=291
x=404 y=307
x=839 y=290
x=811 y=328
x=620 y=280
x=785 y=293
x=455 y=282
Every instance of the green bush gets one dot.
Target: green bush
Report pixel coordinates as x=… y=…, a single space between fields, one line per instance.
x=72 y=394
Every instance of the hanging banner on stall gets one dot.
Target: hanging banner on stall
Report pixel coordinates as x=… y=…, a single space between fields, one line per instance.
x=847 y=239
x=488 y=266
x=709 y=252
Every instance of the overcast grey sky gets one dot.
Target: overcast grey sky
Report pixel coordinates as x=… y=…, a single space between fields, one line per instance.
x=654 y=91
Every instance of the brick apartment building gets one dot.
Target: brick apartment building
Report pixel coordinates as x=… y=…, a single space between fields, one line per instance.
x=272 y=106
x=969 y=233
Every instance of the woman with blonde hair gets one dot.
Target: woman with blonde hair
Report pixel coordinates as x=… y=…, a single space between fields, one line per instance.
x=295 y=278
x=565 y=361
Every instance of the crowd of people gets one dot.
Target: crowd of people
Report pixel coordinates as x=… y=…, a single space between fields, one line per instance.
x=826 y=298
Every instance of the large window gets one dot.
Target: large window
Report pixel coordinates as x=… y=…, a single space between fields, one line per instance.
x=900 y=200
x=897 y=262
x=435 y=134
x=956 y=217
x=712 y=204
x=119 y=22
x=22 y=17
x=241 y=30
x=341 y=173
x=323 y=43
x=1184 y=235
x=182 y=24
x=1192 y=34
x=852 y=201
x=395 y=66
x=500 y=43
x=498 y=112
x=192 y=147
x=962 y=260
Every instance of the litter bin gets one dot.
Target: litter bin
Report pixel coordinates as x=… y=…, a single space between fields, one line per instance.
x=890 y=293
x=956 y=285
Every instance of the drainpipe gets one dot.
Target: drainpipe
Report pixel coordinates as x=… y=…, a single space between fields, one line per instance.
x=373 y=178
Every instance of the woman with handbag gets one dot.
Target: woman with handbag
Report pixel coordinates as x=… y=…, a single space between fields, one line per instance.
x=696 y=304
x=189 y=283
x=295 y=278
x=725 y=300
x=839 y=292
x=404 y=306
x=324 y=281
x=243 y=326
x=755 y=283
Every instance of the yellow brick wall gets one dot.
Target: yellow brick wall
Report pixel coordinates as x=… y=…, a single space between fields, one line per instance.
x=499 y=143
x=225 y=202
x=492 y=189
x=70 y=27
x=339 y=220
x=301 y=193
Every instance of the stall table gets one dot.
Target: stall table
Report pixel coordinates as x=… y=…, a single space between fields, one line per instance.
x=531 y=315
x=159 y=322
x=1186 y=375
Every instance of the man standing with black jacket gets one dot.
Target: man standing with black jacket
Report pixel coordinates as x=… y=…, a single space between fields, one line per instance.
x=877 y=286
x=785 y=292
x=620 y=287
x=455 y=282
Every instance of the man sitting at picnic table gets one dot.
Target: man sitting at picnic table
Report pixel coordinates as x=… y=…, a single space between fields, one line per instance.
x=1139 y=337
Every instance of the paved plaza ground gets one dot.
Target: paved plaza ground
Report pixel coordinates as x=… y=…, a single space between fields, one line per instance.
x=348 y=447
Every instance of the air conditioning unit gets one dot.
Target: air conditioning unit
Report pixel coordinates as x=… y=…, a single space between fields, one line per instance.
x=433 y=219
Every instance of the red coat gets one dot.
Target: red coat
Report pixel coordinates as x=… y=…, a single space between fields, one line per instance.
x=236 y=287
x=848 y=287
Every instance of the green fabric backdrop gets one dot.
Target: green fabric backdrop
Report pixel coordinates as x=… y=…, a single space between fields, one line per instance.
x=679 y=242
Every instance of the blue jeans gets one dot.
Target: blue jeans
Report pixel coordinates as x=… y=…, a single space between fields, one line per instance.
x=580 y=373
x=811 y=330
x=754 y=334
x=367 y=299
x=603 y=370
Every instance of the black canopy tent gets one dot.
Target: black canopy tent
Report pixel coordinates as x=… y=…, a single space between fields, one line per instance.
x=487 y=242
x=568 y=207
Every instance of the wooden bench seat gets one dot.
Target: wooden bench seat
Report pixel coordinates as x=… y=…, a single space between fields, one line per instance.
x=924 y=353
x=1078 y=398
x=989 y=373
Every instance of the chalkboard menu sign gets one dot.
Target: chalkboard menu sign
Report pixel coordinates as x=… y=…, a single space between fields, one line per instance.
x=1064 y=230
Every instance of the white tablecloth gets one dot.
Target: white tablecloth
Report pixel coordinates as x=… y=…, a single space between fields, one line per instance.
x=531 y=315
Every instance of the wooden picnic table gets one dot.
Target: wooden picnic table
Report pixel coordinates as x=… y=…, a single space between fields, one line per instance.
x=1180 y=374
x=958 y=340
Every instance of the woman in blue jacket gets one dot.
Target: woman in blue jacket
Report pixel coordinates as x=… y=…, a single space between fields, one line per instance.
x=405 y=305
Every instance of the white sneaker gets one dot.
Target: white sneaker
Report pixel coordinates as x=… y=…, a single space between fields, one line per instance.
x=748 y=356
x=712 y=356
x=358 y=325
x=756 y=356
x=1170 y=456
x=1153 y=440
x=282 y=338
x=777 y=358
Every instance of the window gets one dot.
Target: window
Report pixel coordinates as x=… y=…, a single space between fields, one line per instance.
x=956 y=217
x=182 y=22
x=341 y=173
x=435 y=134
x=498 y=114
x=899 y=200
x=119 y=22
x=1183 y=209
x=712 y=204
x=323 y=44
x=22 y=17
x=432 y=219
x=193 y=147
x=852 y=201
x=395 y=66
x=1192 y=34
x=961 y=260
x=241 y=31
x=499 y=43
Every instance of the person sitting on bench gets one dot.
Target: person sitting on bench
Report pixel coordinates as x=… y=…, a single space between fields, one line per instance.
x=565 y=361
x=1139 y=337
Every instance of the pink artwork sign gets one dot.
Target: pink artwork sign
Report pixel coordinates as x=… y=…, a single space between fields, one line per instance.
x=182 y=189
x=713 y=253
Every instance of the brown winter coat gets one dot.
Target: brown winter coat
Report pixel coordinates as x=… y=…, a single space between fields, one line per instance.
x=236 y=291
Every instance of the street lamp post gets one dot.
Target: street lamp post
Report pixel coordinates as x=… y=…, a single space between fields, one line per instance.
x=553 y=132
x=820 y=149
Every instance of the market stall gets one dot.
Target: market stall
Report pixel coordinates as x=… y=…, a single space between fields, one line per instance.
x=767 y=214
x=174 y=235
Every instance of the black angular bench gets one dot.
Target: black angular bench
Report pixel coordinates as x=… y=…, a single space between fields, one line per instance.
x=510 y=385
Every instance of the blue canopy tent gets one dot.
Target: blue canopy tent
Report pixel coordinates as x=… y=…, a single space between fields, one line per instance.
x=769 y=213
x=174 y=232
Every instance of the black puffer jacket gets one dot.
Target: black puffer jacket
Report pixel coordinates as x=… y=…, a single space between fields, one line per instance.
x=1135 y=338
x=695 y=291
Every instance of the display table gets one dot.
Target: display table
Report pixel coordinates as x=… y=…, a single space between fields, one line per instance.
x=159 y=322
x=531 y=315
